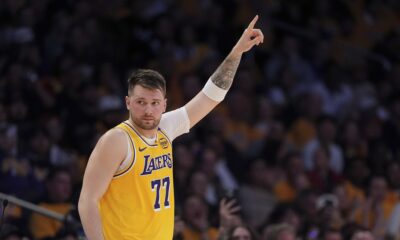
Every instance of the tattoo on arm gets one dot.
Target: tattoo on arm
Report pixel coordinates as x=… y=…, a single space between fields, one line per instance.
x=225 y=73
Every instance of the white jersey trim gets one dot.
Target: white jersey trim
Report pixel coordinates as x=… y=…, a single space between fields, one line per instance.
x=130 y=158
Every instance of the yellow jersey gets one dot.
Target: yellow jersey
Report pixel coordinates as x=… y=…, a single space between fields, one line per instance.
x=139 y=202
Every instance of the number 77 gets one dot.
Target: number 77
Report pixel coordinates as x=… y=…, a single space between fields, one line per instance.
x=156 y=186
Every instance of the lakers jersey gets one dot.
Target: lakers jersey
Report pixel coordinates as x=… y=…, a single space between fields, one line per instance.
x=139 y=202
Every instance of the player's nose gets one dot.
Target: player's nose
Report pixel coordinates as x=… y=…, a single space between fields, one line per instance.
x=148 y=110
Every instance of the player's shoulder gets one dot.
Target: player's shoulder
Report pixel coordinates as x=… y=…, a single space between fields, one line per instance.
x=114 y=133
x=110 y=147
x=113 y=136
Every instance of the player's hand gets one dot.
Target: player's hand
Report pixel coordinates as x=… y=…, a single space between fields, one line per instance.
x=250 y=37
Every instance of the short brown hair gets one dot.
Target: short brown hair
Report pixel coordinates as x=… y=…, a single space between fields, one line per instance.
x=147 y=78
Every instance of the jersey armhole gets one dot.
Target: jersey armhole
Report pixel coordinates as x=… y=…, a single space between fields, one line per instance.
x=165 y=135
x=130 y=158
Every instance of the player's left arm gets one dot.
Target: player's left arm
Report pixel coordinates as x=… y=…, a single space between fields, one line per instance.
x=221 y=80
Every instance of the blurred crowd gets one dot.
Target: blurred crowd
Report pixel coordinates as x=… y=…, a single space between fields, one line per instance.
x=305 y=145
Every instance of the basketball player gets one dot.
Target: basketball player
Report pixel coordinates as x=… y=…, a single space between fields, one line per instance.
x=128 y=189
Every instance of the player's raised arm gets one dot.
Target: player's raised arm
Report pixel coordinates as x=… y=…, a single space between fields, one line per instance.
x=221 y=80
x=102 y=165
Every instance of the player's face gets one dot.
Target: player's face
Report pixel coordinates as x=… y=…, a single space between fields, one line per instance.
x=146 y=107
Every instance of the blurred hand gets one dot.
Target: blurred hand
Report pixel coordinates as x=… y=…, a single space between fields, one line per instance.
x=227 y=210
x=179 y=226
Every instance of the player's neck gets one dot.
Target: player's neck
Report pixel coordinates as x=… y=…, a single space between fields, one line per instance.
x=150 y=134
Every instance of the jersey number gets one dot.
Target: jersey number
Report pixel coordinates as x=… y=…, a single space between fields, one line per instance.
x=156 y=186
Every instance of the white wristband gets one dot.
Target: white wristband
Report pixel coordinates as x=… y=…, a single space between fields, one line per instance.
x=213 y=91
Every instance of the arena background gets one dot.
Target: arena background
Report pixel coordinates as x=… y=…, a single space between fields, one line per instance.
x=308 y=135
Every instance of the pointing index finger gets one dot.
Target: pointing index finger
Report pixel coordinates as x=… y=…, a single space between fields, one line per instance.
x=252 y=23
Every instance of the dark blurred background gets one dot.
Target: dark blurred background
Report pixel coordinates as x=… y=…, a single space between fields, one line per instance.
x=308 y=135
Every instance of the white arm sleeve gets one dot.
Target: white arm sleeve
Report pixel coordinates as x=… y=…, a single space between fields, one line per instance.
x=175 y=123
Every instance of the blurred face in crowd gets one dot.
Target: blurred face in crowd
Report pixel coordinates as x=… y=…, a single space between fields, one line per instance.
x=146 y=107
x=351 y=133
x=330 y=215
x=241 y=233
x=198 y=184
x=283 y=235
x=286 y=235
x=321 y=159
x=301 y=182
x=378 y=188
x=292 y=218
x=343 y=199
x=332 y=235
x=257 y=171
x=278 y=232
x=194 y=207
x=55 y=129
x=394 y=174
x=13 y=237
x=40 y=143
x=308 y=203
x=327 y=131
x=363 y=235
x=358 y=171
x=195 y=212
x=295 y=165
x=183 y=158
x=60 y=187
x=209 y=160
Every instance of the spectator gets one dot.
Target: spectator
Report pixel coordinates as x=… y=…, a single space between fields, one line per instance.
x=58 y=199
x=195 y=214
x=331 y=234
x=241 y=232
x=325 y=139
x=374 y=214
x=11 y=232
x=363 y=235
x=329 y=216
x=278 y=232
x=256 y=197
x=322 y=177
x=63 y=63
x=229 y=219
x=285 y=213
x=295 y=179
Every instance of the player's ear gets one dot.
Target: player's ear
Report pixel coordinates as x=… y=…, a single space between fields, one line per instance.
x=127 y=102
x=165 y=105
